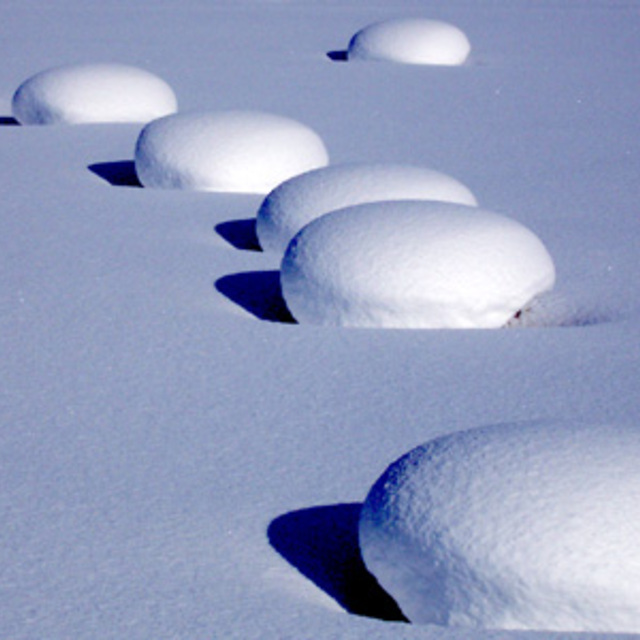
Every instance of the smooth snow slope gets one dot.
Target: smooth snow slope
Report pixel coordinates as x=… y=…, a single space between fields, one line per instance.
x=229 y=151
x=410 y=41
x=411 y=264
x=174 y=464
x=91 y=93
x=296 y=202
x=512 y=526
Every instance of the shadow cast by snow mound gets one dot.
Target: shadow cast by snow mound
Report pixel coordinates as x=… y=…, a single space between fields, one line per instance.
x=322 y=543
x=118 y=174
x=240 y=234
x=258 y=292
x=338 y=56
x=8 y=121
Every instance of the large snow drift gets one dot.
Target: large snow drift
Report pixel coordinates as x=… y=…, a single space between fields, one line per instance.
x=411 y=41
x=532 y=526
x=85 y=93
x=235 y=151
x=296 y=202
x=413 y=264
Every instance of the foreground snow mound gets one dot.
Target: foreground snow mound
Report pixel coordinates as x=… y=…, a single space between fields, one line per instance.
x=411 y=41
x=512 y=527
x=413 y=264
x=76 y=94
x=296 y=202
x=235 y=151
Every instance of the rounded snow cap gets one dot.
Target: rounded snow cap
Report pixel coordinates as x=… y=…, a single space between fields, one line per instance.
x=411 y=41
x=413 y=264
x=87 y=93
x=516 y=526
x=234 y=151
x=298 y=201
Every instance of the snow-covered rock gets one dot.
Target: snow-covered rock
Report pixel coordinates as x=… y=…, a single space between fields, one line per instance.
x=235 y=151
x=520 y=526
x=298 y=201
x=85 y=93
x=413 y=264
x=411 y=41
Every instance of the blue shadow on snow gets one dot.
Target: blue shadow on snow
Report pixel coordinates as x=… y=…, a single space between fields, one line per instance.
x=322 y=544
x=8 y=121
x=258 y=292
x=240 y=234
x=338 y=56
x=118 y=174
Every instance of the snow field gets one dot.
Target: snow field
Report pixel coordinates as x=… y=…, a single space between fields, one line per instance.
x=411 y=41
x=88 y=93
x=515 y=526
x=151 y=433
x=231 y=151
x=298 y=201
x=413 y=264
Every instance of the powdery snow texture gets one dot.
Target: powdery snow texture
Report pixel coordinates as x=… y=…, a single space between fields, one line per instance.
x=532 y=526
x=86 y=93
x=296 y=202
x=231 y=151
x=411 y=41
x=413 y=264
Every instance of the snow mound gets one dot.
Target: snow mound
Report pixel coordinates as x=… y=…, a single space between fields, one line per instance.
x=512 y=527
x=413 y=264
x=411 y=41
x=296 y=202
x=234 y=151
x=86 y=93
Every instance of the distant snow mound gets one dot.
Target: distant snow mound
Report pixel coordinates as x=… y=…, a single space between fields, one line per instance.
x=413 y=264
x=76 y=94
x=411 y=41
x=235 y=151
x=530 y=526
x=296 y=202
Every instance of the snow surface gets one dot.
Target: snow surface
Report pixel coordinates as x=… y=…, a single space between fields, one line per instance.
x=298 y=201
x=238 y=151
x=82 y=93
x=517 y=526
x=176 y=461
x=411 y=41
x=414 y=265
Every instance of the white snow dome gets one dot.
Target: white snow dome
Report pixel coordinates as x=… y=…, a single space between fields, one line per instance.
x=411 y=41
x=296 y=202
x=516 y=526
x=234 y=151
x=413 y=264
x=86 y=93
